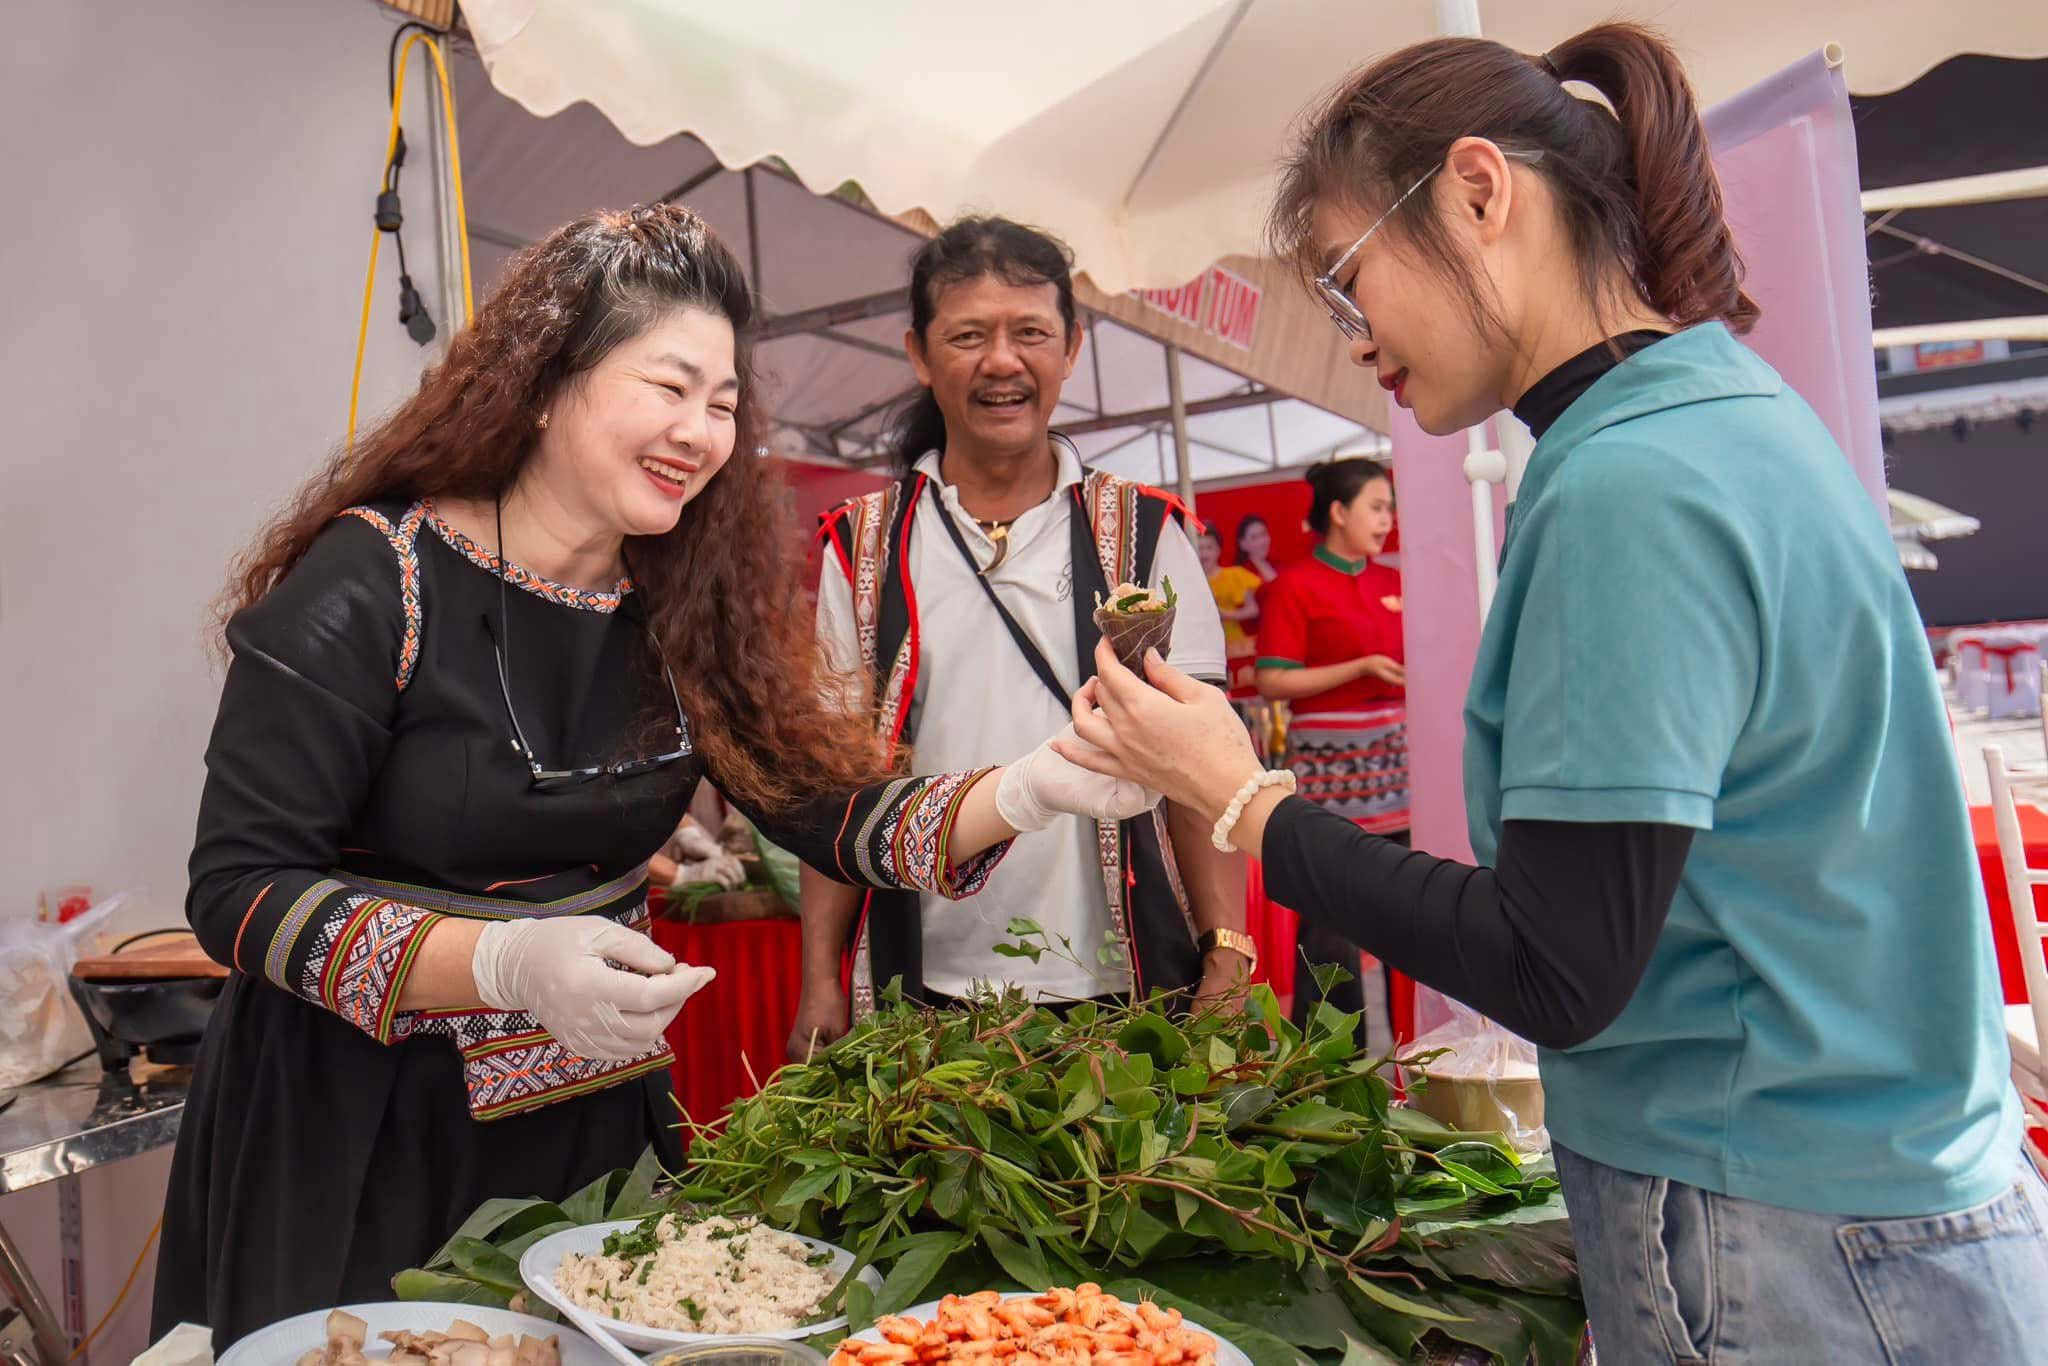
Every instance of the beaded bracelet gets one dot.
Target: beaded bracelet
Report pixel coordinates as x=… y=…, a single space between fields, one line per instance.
x=1227 y=822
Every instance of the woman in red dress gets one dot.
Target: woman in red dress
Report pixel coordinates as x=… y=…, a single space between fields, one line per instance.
x=1330 y=646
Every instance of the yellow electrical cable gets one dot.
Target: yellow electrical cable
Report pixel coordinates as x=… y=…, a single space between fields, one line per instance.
x=121 y=1298
x=355 y=391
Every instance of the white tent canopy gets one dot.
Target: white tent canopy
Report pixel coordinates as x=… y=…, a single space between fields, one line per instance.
x=1917 y=520
x=1143 y=132
x=833 y=276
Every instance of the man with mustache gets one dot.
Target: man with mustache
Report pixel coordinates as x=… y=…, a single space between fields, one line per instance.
x=960 y=601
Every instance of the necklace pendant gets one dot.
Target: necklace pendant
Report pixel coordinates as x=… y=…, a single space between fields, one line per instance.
x=1000 y=538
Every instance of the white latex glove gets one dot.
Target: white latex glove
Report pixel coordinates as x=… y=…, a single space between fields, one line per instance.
x=722 y=868
x=556 y=971
x=1042 y=786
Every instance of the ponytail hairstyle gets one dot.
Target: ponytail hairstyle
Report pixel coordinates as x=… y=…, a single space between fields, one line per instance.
x=1635 y=187
x=967 y=250
x=1339 y=481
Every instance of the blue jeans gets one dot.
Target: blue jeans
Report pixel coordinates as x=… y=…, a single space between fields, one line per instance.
x=1676 y=1274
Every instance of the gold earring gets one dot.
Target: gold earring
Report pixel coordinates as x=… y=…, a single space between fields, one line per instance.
x=543 y=423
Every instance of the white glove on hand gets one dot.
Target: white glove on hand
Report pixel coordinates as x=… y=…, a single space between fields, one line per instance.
x=1041 y=787
x=556 y=971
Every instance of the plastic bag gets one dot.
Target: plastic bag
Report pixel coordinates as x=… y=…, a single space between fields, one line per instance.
x=41 y=1028
x=1487 y=1080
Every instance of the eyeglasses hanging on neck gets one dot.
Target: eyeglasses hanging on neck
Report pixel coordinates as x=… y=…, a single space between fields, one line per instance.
x=543 y=778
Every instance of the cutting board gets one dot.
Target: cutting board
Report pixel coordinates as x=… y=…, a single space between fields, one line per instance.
x=156 y=960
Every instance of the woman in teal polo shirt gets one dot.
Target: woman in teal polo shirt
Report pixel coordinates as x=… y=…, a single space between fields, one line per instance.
x=1726 y=879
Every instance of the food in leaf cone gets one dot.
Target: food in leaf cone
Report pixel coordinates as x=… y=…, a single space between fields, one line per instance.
x=1135 y=619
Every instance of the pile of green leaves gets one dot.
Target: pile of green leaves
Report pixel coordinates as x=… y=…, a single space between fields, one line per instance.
x=1250 y=1172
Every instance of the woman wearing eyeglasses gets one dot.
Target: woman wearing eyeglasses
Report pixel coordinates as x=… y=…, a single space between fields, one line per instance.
x=1726 y=881
x=478 y=667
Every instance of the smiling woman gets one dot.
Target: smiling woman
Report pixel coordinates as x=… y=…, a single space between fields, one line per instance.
x=478 y=668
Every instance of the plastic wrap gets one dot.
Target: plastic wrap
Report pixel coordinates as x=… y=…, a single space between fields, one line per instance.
x=40 y=1026
x=1486 y=1079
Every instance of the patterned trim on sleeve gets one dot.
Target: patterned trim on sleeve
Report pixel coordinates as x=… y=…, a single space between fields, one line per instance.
x=404 y=540
x=277 y=962
x=361 y=954
x=917 y=825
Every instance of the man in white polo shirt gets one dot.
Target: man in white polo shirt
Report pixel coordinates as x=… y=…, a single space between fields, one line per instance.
x=961 y=599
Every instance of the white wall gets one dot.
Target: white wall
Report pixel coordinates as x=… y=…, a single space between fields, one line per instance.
x=187 y=196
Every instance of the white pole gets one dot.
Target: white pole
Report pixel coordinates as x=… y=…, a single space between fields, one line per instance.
x=1178 y=401
x=1457 y=18
x=1484 y=466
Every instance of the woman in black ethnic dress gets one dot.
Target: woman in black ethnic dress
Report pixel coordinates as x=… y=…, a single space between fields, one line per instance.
x=478 y=667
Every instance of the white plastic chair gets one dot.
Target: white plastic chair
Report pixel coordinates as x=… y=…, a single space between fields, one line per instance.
x=1968 y=656
x=2026 y=1026
x=2011 y=676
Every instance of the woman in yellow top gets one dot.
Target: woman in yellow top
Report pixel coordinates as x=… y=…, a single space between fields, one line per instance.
x=1235 y=589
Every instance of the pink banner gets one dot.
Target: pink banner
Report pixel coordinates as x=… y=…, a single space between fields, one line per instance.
x=1787 y=156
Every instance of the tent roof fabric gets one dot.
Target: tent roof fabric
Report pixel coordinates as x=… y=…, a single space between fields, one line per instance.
x=1971 y=115
x=1144 y=132
x=833 y=388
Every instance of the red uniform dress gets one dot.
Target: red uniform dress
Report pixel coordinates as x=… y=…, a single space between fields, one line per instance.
x=1347 y=746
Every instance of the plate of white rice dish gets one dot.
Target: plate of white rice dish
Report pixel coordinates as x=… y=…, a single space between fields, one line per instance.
x=668 y=1280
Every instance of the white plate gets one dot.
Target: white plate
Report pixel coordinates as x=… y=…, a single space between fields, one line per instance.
x=537 y=1268
x=1228 y=1353
x=282 y=1344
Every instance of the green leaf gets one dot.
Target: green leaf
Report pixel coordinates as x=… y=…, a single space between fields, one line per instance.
x=481 y=1262
x=1155 y=1036
x=1377 y=1292
x=440 y=1287
x=1189 y=1081
x=516 y=1248
x=1484 y=1158
x=1024 y=1264
x=1031 y=951
x=1415 y=1128
x=588 y=1205
x=1361 y=1352
x=1244 y=1103
x=1021 y=927
x=1127 y=1082
x=1077 y=1086
x=1222 y=1056
x=1185 y=1207
x=949 y=1191
x=1545 y=1329
x=1354 y=1188
x=500 y=1218
x=1137 y=1229
x=636 y=1196
x=977 y=1126
x=1007 y=1144
x=860 y=1307
x=809 y=1186
x=1527 y=1249
x=918 y=1259
x=1473 y=1179
x=1313 y=1116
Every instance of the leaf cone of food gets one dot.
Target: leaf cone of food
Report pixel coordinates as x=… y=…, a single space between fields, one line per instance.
x=1134 y=620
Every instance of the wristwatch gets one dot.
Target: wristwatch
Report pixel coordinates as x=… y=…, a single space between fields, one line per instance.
x=1237 y=941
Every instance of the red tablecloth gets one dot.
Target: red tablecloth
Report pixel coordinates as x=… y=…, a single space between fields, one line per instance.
x=743 y=1020
x=2034 y=834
